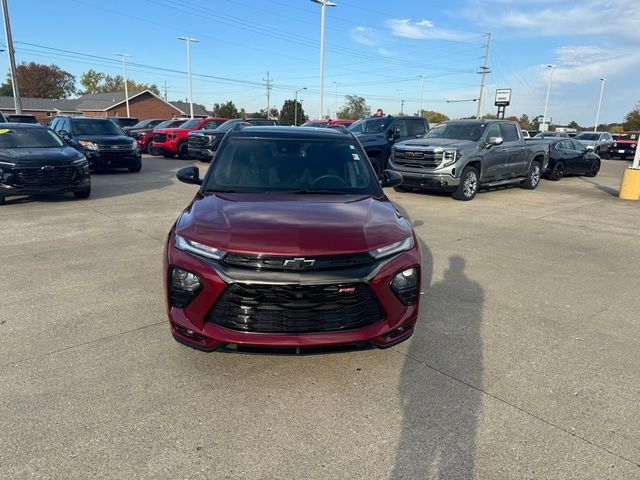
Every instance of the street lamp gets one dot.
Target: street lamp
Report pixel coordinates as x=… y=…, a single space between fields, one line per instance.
x=295 y=108
x=324 y=3
x=546 y=102
x=336 y=112
x=602 y=80
x=398 y=93
x=422 y=77
x=189 y=40
x=126 y=87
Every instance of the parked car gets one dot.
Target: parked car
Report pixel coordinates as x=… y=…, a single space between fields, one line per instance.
x=570 y=157
x=551 y=135
x=599 y=142
x=35 y=161
x=21 y=118
x=316 y=123
x=143 y=125
x=460 y=156
x=203 y=143
x=123 y=122
x=625 y=146
x=378 y=134
x=170 y=142
x=100 y=140
x=3 y=119
x=144 y=134
x=340 y=121
x=290 y=243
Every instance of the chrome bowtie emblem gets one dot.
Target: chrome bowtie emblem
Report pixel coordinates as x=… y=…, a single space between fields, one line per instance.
x=47 y=167
x=298 y=263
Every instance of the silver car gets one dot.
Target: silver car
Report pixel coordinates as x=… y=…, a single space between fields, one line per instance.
x=599 y=142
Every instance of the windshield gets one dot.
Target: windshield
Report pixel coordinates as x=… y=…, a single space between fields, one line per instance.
x=126 y=122
x=549 y=135
x=588 y=136
x=629 y=136
x=292 y=165
x=228 y=125
x=457 y=131
x=193 y=123
x=370 y=125
x=29 y=138
x=87 y=126
x=22 y=119
x=170 y=123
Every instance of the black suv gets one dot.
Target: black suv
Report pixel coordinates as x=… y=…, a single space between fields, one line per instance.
x=377 y=135
x=203 y=143
x=103 y=143
x=35 y=161
x=124 y=122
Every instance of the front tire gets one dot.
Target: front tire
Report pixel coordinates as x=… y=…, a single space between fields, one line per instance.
x=403 y=189
x=80 y=194
x=183 y=151
x=136 y=167
x=595 y=168
x=558 y=172
x=150 y=149
x=2 y=199
x=469 y=183
x=533 y=176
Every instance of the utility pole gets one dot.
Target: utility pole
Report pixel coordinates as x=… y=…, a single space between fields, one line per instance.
x=189 y=40
x=126 y=87
x=545 y=125
x=336 y=83
x=12 y=59
x=483 y=72
x=422 y=77
x=602 y=80
x=324 y=4
x=402 y=107
x=398 y=93
x=165 y=90
x=267 y=83
x=295 y=113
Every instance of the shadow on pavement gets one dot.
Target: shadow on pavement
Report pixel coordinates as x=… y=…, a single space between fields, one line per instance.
x=440 y=412
x=603 y=188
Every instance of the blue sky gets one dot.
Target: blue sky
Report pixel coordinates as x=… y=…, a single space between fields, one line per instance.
x=374 y=48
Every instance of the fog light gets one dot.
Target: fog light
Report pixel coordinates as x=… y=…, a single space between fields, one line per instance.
x=405 y=285
x=184 y=287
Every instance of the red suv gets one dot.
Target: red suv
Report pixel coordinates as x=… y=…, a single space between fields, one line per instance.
x=170 y=142
x=291 y=243
x=625 y=145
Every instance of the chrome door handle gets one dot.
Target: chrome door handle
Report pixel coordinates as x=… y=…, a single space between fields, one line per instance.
x=503 y=149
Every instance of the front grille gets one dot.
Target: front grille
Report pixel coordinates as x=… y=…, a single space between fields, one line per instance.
x=159 y=137
x=43 y=176
x=199 y=140
x=417 y=158
x=275 y=262
x=295 y=308
x=114 y=148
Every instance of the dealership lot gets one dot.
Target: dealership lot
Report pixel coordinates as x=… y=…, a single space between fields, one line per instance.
x=524 y=363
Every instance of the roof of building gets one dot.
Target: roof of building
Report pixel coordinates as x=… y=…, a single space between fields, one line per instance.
x=42 y=104
x=198 y=110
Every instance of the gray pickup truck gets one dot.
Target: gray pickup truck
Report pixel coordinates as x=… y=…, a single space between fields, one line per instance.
x=460 y=156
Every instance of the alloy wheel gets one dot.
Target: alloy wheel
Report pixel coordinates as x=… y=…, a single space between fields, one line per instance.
x=470 y=184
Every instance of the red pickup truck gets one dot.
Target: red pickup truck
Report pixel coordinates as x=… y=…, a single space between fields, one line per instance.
x=170 y=142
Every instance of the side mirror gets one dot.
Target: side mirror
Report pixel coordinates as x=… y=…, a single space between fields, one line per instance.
x=390 y=178
x=189 y=175
x=590 y=148
x=64 y=134
x=495 y=141
x=394 y=133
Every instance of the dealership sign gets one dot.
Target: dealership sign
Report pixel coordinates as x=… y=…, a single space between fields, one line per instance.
x=503 y=97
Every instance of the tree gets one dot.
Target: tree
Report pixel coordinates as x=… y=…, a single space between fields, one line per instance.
x=288 y=113
x=356 y=107
x=525 y=123
x=632 y=120
x=573 y=124
x=41 y=81
x=225 y=110
x=433 y=117
x=98 y=82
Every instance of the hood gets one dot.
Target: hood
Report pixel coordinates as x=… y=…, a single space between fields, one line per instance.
x=210 y=132
x=588 y=142
x=40 y=156
x=135 y=131
x=437 y=142
x=286 y=224
x=171 y=130
x=105 y=139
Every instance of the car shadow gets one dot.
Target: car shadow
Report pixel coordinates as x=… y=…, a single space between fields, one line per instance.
x=603 y=188
x=441 y=377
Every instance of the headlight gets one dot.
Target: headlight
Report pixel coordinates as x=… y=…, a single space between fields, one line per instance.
x=392 y=249
x=184 y=287
x=450 y=156
x=633 y=145
x=199 y=248
x=134 y=143
x=405 y=285
x=615 y=144
x=88 y=145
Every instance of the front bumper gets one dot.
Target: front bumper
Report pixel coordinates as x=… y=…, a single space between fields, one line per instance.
x=201 y=153
x=623 y=151
x=170 y=147
x=189 y=325
x=103 y=159
x=431 y=181
x=12 y=189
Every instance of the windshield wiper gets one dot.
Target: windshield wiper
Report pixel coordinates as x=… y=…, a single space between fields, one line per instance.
x=219 y=190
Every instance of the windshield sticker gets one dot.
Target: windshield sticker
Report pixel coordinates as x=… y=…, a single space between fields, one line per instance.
x=352 y=147
x=4 y=130
x=355 y=156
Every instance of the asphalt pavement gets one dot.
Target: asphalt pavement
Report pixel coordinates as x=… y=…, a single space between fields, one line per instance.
x=524 y=364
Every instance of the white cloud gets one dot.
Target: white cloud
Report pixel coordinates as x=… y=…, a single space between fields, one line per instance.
x=422 y=30
x=582 y=64
x=364 y=36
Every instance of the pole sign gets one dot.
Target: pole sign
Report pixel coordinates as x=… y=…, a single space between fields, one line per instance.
x=503 y=97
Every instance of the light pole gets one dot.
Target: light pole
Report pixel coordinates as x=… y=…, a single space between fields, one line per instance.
x=398 y=93
x=336 y=112
x=295 y=114
x=402 y=108
x=324 y=3
x=126 y=87
x=12 y=59
x=602 y=80
x=422 y=77
x=546 y=102
x=189 y=40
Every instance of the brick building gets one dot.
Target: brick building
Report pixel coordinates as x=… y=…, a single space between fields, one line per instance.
x=144 y=104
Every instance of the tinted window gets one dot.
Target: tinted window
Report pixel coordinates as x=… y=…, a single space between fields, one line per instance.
x=54 y=122
x=22 y=119
x=170 y=124
x=494 y=131
x=373 y=125
x=193 y=123
x=403 y=129
x=588 y=136
x=578 y=146
x=416 y=127
x=126 y=122
x=509 y=132
x=29 y=138
x=458 y=131
x=565 y=145
x=266 y=165
x=88 y=126
x=628 y=136
x=65 y=124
